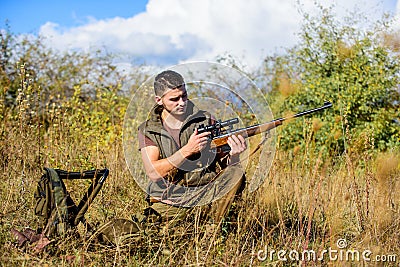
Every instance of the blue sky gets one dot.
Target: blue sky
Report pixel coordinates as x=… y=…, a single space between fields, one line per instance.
x=26 y=16
x=175 y=31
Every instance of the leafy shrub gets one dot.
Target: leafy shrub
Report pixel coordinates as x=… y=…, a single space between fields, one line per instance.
x=350 y=67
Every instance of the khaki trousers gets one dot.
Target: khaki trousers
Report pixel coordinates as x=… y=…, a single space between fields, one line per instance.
x=215 y=211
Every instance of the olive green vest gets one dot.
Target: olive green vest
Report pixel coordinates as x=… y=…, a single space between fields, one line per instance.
x=196 y=170
x=199 y=180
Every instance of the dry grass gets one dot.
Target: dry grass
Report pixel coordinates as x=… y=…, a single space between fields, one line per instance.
x=307 y=201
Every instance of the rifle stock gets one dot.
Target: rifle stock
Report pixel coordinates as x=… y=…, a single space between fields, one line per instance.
x=221 y=140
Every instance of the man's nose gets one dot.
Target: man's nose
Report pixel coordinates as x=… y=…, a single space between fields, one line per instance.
x=181 y=101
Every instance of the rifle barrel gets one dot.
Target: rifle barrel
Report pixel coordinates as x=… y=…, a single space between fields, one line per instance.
x=221 y=140
x=327 y=104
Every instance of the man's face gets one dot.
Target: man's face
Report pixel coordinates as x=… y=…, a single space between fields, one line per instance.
x=174 y=101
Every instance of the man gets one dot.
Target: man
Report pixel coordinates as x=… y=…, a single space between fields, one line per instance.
x=180 y=166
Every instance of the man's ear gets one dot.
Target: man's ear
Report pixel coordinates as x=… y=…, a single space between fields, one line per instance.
x=158 y=100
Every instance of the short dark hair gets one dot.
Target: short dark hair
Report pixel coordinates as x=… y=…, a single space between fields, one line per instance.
x=165 y=80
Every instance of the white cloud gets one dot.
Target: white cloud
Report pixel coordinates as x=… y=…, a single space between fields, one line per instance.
x=170 y=31
x=397 y=16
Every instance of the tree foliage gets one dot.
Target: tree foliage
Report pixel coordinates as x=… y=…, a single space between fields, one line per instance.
x=70 y=103
x=56 y=74
x=348 y=66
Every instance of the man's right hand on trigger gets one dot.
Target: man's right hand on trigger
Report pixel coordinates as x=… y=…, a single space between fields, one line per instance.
x=197 y=142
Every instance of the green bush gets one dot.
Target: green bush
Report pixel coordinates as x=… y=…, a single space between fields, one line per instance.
x=353 y=69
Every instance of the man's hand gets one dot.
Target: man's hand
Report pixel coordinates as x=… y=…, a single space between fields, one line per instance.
x=157 y=168
x=237 y=145
x=197 y=142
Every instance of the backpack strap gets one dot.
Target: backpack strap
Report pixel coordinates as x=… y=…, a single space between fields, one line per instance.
x=59 y=216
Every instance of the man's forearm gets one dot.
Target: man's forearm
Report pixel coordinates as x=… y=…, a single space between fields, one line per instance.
x=162 y=167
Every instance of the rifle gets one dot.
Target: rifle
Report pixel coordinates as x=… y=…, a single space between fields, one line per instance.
x=219 y=134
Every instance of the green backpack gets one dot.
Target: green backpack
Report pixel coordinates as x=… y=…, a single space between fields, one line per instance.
x=53 y=204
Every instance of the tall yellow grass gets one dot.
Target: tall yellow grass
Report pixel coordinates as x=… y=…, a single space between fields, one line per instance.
x=308 y=201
